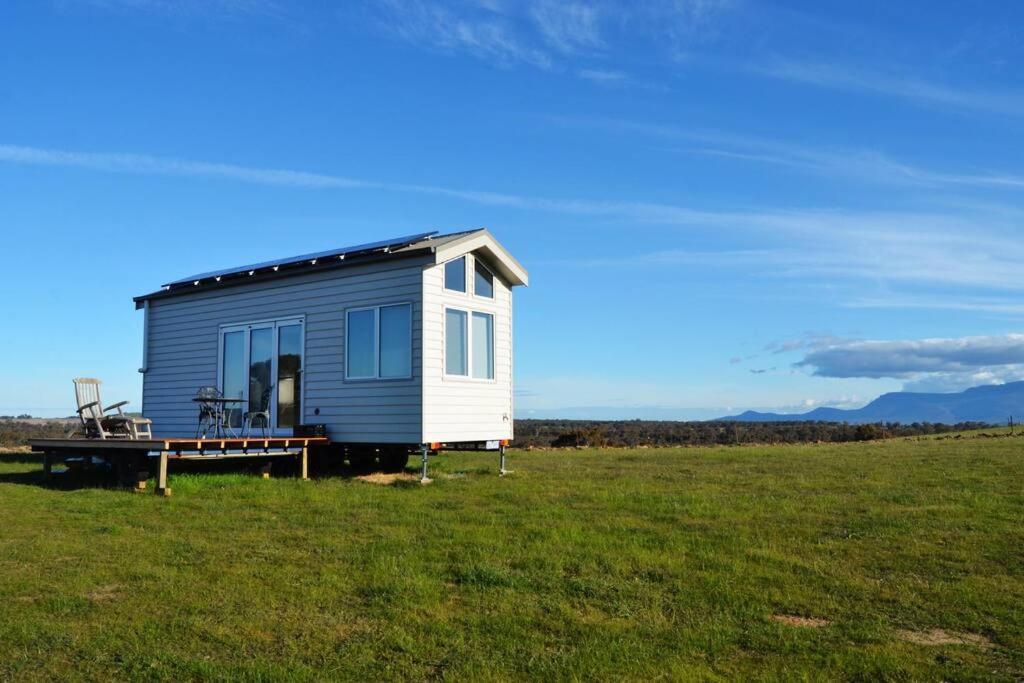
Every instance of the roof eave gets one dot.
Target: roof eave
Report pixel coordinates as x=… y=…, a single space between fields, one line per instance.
x=482 y=240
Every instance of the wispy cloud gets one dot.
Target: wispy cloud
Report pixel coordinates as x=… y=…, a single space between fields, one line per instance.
x=480 y=30
x=227 y=8
x=963 y=251
x=569 y=27
x=865 y=165
x=841 y=77
x=602 y=76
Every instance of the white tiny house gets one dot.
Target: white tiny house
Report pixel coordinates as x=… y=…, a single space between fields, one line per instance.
x=401 y=342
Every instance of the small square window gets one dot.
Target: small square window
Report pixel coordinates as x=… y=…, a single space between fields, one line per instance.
x=483 y=280
x=455 y=275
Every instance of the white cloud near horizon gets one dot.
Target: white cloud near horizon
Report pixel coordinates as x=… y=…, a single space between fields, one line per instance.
x=948 y=364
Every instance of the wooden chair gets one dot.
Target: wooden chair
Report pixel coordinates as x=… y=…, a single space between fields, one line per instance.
x=97 y=424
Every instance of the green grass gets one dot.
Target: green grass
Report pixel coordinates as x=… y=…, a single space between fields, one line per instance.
x=617 y=564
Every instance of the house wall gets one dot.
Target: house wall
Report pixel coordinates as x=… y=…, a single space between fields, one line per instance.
x=183 y=343
x=459 y=409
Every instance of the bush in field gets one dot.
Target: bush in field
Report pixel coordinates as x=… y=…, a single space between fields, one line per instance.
x=16 y=433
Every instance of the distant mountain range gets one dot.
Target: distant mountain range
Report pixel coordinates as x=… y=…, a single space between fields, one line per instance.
x=993 y=404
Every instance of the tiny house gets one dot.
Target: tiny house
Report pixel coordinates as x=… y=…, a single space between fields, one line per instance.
x=398 y=343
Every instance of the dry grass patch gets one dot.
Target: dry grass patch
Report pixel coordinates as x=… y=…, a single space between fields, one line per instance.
x=385 y=479
x=937 y=637
x=104 y=593
x=806 y=622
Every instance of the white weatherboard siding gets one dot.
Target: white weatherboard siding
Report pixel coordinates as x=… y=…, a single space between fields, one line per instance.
x=183 y=341
x=460 y=409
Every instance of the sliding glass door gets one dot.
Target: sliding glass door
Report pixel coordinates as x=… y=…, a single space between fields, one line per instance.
x=261 y=365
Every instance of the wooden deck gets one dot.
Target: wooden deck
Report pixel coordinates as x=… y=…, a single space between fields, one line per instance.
x=131 y=457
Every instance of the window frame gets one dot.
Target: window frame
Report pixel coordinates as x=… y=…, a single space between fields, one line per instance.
x=275 y=324
x=376 y=343
x=465 y=275
x=494 y=279
x=468 y=377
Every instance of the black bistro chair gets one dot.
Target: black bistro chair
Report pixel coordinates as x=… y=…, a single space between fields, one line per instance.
x=262 y=416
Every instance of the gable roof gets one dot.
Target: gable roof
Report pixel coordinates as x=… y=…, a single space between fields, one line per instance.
x=444 y=248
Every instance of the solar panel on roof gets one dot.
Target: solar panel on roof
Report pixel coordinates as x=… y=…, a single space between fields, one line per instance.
x=394 y=243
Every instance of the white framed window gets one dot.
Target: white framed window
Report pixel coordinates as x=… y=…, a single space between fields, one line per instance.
x=483 y=280
x=455 y=275
x=468 y=344
x=378 y=342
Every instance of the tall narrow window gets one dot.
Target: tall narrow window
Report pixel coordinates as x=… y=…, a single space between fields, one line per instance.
x=455 y=275
x=396 y=341
x=360 y=344
x=289 y=375
x=379 y=342
x=456 y=356
x=483 y=280
x=483 y=346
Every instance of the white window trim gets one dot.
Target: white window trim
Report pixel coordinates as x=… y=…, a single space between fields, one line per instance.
x=376 y=344
x=465 y=276
x=468 y=377
x=494 y=279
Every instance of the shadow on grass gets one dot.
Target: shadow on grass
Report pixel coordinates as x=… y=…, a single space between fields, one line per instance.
x=20 y=457
x=103 y=475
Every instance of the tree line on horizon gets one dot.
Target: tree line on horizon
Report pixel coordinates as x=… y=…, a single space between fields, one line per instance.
x=633 y=433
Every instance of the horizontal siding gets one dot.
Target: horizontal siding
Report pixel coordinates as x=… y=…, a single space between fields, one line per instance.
x=183 y=341
x=456 y=409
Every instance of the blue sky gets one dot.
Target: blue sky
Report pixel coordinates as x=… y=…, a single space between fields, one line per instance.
x=723 y=204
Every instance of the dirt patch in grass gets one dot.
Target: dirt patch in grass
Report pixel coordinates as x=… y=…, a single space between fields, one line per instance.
x=937 y=637
x=806 y=622
x=386 y=479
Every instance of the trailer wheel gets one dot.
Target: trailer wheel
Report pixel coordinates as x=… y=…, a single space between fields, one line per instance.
x=394 y=459
x=362 y=459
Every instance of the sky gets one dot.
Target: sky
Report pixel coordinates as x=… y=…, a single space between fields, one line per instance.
x=723 y=204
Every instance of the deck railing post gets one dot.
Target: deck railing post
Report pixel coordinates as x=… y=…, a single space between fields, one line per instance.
x=425 y=449
x=161 y=479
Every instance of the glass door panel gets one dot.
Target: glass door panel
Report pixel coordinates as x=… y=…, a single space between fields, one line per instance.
x=233 y=381
x=261 y=355
x=289 y=375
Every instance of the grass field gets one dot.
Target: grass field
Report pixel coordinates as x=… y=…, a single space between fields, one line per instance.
x=888 y=560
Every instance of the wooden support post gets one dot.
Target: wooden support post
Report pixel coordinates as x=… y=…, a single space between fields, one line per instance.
x=48 y=465
x=265 y=471
x=305 y=463
x=424 y=479
x=161 y=480
x=501 y=462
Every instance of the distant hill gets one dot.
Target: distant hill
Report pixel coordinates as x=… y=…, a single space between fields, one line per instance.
x=993 y=404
